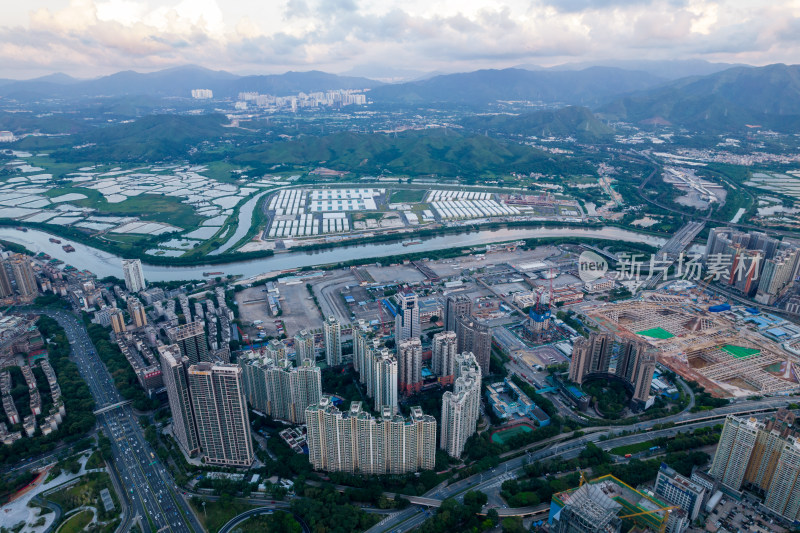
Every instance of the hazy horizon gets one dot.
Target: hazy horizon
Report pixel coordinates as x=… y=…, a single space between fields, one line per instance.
x=385 y=39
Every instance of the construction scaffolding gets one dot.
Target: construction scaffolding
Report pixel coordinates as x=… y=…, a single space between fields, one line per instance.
x=710 y=348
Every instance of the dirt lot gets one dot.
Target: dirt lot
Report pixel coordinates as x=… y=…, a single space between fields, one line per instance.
x=299 y=312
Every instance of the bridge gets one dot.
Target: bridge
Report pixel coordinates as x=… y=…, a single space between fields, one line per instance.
x=608 y=255
x=112 y=407
x=671 y=251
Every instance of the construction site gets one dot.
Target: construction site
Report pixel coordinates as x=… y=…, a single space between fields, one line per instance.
x=719 y=347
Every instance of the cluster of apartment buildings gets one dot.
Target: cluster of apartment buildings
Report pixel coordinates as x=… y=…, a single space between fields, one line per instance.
x=341 y=97
x=764 y=457
x=604 y=355
x=460 y=356
x=47 y=423
x=356 y=442
x=753 y=263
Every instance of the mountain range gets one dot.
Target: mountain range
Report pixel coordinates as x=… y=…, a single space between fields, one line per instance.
x=588 y=87
x=722 y=100
x=177 y=82
x=729 y=100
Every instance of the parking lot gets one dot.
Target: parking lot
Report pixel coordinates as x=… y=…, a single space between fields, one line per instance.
x=738 y=516
x=299 y=311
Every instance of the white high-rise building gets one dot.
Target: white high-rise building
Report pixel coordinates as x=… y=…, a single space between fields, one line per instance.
x=202 y=94
x=361 y=337
x=304 y=347
x=278 y=389
x=409 y=356
x=373 y=350
x=353 y=441
x=406 y=323
x=220 y=410
x=332 y=336
x=134 y=276
x=461 y=408
x=444 y=348
x=275 y=350
x=385 y=380
x=733 y=452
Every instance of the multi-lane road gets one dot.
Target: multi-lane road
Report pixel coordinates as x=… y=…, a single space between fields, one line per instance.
x=491 y=480
x=150 y=491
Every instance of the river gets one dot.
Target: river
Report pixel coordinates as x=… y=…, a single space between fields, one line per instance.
x=104 y=263
x=242 y=225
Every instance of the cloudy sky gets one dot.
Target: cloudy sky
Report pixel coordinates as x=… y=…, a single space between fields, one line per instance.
x=94 y=37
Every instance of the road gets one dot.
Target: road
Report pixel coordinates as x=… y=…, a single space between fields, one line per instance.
x=236 y=520
x=150 y=490
x=492 y=479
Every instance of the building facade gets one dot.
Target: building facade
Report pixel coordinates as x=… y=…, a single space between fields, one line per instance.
x=444 y=347
x=134 y=275
x=385 y=380
x=680 y=491
x=406 y=322
x=461 y=407
x=22 y=272
x=332 y=336
x=603 y=355
x=173 y=368
x=137 y=312
x=354 y=441
x=475 y=336
x=191 y=338
x=220 y=407
x=278 y=389
x=304 y=347
x=456 y=306
x=409 y=358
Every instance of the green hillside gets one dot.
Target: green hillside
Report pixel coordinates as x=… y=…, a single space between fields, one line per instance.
x=730 y=100
x=439 y=152
x=151 y=138
x=578 y=122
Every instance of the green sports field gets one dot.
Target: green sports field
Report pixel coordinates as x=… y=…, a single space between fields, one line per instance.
x=655 y=333
x=503 y=435
x=740 y=352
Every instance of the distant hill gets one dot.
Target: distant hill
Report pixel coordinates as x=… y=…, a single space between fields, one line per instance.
x=669 y=70
x=728 y=100
x=587 y=87
x=578 y=122
x=441 y=152
x=151 y=138
x=19 y=123
x=179 y=82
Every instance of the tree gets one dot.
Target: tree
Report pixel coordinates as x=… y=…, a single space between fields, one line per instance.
x=513 y=524
x=493 y=516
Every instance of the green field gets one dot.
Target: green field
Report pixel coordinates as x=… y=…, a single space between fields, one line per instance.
x=152 y=207
x=655 y=333
x=214 y=515
x=632 y=448
x=407 y=196
x=76 y=522
x=501 y=436
x=740 y=352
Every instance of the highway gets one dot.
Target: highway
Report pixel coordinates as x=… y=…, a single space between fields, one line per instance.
x=492 y=480
x=153 y=501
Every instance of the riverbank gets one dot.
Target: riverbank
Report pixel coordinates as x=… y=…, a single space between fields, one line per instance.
x=104 y=263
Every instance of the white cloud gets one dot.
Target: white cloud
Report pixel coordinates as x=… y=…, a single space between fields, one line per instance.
x=100 y=36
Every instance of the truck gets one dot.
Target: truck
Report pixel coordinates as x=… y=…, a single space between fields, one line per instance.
x=628 y=456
